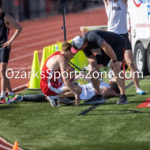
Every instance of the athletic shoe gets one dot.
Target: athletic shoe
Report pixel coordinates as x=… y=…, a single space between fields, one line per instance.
x=140 y=91
x=122 y=100
x=18 y=98
x=8 y=99
x=53 y=102
x=97 y=99
x=2 y=101
x=15 y=99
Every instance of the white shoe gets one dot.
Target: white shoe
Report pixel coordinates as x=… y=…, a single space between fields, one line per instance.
x=53 y=102
x=140 y=91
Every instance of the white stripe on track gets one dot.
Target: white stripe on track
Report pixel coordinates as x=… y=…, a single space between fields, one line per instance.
x=50 y=33
x=30 y=54
x=4 y=147
x=21 y=57
x=27 y=46
x=30 y=38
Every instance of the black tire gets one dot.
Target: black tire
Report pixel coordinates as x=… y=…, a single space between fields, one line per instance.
x=148 y=59
x=140 y=58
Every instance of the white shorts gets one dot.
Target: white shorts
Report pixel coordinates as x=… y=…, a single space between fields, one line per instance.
x=87 y=91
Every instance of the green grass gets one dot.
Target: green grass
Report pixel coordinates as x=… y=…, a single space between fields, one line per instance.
x=37 y=126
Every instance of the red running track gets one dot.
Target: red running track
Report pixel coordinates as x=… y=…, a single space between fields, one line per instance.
x=39 y=33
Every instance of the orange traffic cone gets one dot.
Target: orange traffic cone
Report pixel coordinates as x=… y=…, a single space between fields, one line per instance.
x=15 y=146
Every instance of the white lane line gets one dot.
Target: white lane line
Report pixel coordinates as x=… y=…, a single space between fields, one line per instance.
x=38 y=26
x=31 y=38
x=49 y=33
x=20 y=68
x=24 y=56
x=4 y=147
x=37 y=43
x=42 y=42
x=34 y=44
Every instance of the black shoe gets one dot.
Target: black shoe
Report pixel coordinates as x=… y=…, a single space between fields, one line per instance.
x=97 y=99
x=122 y=100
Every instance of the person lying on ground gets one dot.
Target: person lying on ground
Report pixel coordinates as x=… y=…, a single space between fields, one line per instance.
x=87 y=91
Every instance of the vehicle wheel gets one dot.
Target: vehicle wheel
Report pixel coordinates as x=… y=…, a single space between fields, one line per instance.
x=140 y=58
x=148 y=59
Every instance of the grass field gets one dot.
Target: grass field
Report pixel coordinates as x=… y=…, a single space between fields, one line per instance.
x=37 y=126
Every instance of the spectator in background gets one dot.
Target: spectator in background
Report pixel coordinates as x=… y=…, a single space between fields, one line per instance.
x=6 y=23
x=16 y=9
x=116 y=11
x=26 y=9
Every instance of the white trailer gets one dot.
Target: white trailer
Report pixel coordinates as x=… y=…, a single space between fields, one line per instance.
x=139 y=29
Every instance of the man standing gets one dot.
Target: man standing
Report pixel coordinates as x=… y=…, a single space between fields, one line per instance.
x=116 y=11
x=6 y=23
x=102 y=47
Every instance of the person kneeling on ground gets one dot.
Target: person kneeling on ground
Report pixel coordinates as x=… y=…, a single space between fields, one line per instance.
x=53 y=81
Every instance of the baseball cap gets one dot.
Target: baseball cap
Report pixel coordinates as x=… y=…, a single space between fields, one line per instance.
x=77 y=43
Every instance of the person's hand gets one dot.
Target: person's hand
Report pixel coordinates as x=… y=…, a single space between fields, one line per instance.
x=77 y=100
x=6 y=44
x=112 y=63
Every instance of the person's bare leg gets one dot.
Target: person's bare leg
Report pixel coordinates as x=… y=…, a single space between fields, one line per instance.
x=95 y=81
x=116 y=67
x=96 y=84
x=8 y=85
x=66 y=89
x=130 y=62
x=3 y=67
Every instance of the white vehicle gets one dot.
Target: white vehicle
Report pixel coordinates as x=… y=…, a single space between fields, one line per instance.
x=139 y=28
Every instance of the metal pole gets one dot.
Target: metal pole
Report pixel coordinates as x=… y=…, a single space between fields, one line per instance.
x=63 y=4
x=64 y=20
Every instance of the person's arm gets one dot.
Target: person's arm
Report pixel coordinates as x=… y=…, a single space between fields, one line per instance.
x=108 y=50
x=108 y=92
x=63 y=65
x=106 y=2
x=11 y=23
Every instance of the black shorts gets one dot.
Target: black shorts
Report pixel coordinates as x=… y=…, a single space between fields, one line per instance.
x=128 y=43
x=104 y=59
x=4 y=54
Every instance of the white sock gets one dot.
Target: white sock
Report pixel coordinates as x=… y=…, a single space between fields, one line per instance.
x=2 y=94
x=11 y=93
x=138 y=90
